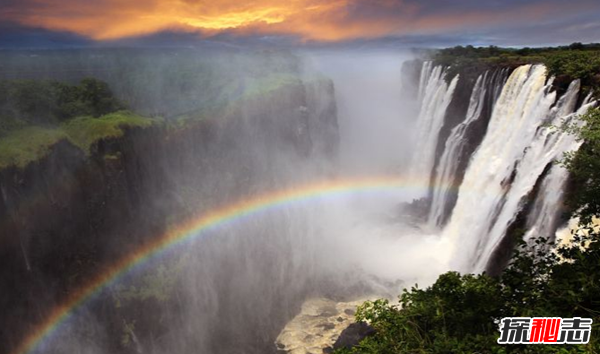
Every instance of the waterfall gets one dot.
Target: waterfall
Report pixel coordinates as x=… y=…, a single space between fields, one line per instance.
x=485 y=91
x=506 y=166
x=544 y=218
x=435 y=95
x=454 y=145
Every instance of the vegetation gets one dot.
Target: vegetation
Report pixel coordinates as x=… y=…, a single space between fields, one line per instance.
x=269 y=84
x=85 y=131
x=26 y=145
x=88 y=111
x=36 y=114
x=584 y=200
x=576 y=61
x=19 y=147
x=50 y=102
x=460 y=313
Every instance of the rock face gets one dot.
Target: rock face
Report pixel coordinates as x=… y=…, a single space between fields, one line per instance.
x=66 y=217
x=321 y=326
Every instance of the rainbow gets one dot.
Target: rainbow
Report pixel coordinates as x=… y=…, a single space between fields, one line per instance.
x=195 y=227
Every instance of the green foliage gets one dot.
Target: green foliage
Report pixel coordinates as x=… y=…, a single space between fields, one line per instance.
x=576 y=61
x=584 y=165
x=575 y=64
x=84 y=132
x=8 y=124
x=459 y=313
x=50 y=102
x=455 y=307
x=264 y=85
x=97 y=97
x=19 y=147
x=23 y=146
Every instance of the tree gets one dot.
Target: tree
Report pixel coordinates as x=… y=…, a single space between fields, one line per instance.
x=98 y=97
x=51 y=102
x=584 y=166
x=458 y=313
x=576 y=46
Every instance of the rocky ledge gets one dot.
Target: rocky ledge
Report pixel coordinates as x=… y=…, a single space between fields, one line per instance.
x=322 y=326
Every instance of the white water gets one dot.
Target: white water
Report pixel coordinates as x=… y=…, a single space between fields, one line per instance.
x=245 y=275
x=454 y=145
x=544 y=218
x=435 y=96
x=507 y=164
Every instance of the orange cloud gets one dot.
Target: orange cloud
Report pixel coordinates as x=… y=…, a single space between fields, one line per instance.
x=309 y=19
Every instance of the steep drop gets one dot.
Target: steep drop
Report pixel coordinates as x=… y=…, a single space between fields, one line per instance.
x=518 y=146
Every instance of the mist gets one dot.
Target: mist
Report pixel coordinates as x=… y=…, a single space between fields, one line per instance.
x=286 y=121
x=375 y=118
x=285 y=177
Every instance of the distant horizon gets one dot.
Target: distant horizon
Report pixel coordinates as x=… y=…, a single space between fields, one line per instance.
x=204 y=43
x=300 y=23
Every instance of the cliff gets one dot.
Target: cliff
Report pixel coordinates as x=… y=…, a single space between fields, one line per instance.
x=66 y=215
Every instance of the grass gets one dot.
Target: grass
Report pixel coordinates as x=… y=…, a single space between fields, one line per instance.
x=84 y=132
x=23 y=146
x=9 y=124
x=233 y=94
x=268 y=84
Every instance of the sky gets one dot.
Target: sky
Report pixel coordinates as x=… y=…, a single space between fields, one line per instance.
x=416 y=23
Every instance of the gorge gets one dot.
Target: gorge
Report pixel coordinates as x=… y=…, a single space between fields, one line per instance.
x=335 y=175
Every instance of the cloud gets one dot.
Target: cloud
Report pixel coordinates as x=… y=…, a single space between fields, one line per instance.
x=309 y=20
x=17 y=36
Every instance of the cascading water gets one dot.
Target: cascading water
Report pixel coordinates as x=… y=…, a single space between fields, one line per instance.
x=233 y=288
x=435 y=95
x=460 y=144
x=543 y=219
x=506 y=166
x=454 y=145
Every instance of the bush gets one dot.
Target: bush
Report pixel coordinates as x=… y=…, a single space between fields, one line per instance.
x=583 y=65
x=584 y=165
x=459 y=313
x=50 y=102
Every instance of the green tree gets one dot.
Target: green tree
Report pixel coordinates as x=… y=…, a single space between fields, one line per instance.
x=459 y=313
x=98 y=97
x=584 y=165
x=50 y=102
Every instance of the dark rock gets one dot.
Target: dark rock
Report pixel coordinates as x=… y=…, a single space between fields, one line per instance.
x=68 y=216
x=352 y=335
x=327 y=326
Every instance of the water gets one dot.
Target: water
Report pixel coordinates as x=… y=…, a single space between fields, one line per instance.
x=544 y=218
x=485 y=91
x=449 y=161
x=505 y=168
x=435 y=95
x=234 y=288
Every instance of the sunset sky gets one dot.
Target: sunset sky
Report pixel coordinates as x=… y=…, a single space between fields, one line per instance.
x=413 y=22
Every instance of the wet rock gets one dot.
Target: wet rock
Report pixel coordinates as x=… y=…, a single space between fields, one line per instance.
x=352 y=335
x=320 y=326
